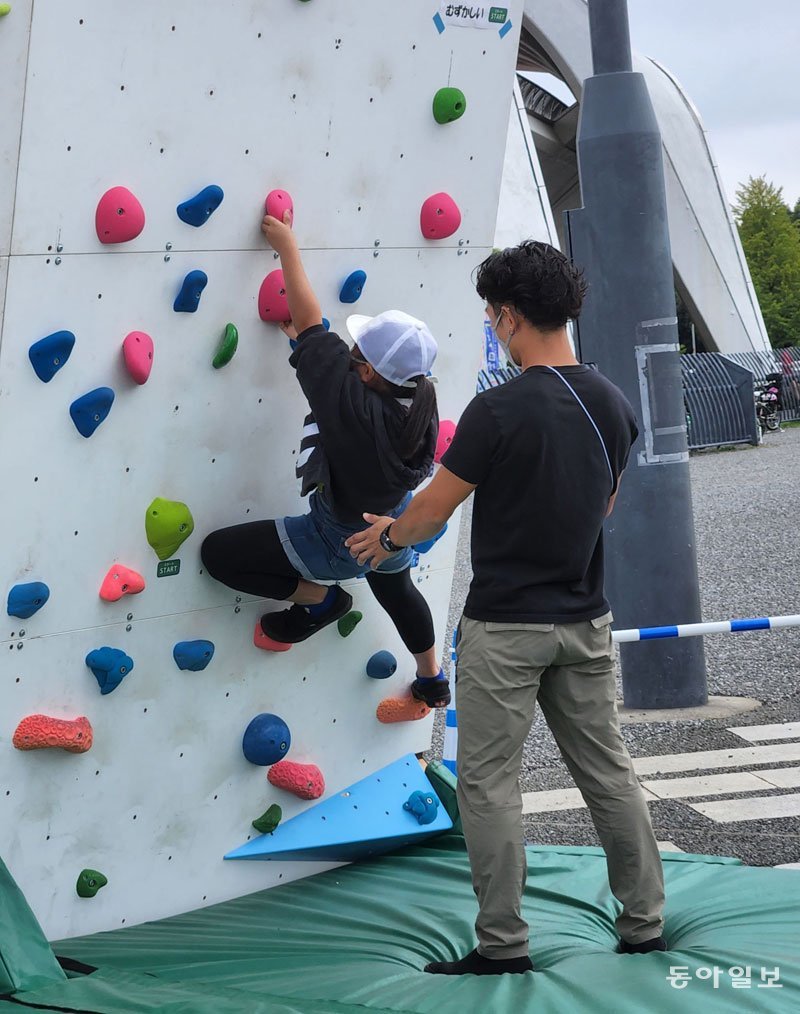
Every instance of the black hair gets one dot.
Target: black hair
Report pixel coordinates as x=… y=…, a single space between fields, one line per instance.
x=422 y=411
x=536 y=280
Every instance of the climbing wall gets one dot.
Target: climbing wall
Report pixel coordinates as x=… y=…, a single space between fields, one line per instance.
x=330 y=100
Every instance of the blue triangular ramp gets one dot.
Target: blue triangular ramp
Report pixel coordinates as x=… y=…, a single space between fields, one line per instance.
x=365 y=819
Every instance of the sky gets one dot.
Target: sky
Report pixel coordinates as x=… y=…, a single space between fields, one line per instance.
x=739 y=63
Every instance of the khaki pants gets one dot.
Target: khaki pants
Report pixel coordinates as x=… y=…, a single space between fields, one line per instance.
x=503 y=669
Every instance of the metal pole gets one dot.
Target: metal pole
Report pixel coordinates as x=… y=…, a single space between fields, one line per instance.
x=629 y=329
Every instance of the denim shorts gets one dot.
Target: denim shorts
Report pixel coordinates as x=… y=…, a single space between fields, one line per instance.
x=314 y=544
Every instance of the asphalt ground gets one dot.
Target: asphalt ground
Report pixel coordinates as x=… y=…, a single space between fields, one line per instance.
x=748 y=545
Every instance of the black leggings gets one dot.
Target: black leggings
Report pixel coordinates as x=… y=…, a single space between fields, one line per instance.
x=251 y=559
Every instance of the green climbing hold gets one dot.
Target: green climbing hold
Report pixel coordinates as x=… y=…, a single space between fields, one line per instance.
x=348 y=623
x=268 y=820
x=227 y=347
x=89 y=883
x=168 y=524
x=449 y=104
x=5 y=9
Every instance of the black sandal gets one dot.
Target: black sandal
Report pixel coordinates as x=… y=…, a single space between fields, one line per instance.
x=433 y=692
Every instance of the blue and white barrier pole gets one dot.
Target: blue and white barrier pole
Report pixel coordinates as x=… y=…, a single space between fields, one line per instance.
x=450 y=724
x=699 y=629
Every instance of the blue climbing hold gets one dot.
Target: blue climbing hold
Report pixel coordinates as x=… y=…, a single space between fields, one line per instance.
x=353 y=286
x=26 y=599
x=198 y=209
x=91 y=409
x=266 y=740
x=292 y=344
x=326 y=323
x=49 y=354
x=188 y=299
x=424 y=806
x=423 y=547
x=110 y=667
x=382 y=665
x=193 y=655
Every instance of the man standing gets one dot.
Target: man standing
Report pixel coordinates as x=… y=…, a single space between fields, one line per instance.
x=544 y=454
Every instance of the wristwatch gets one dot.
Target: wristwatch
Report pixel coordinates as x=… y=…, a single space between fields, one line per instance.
x=387 y=543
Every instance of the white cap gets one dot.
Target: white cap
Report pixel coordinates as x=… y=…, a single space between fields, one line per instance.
x=396 y=345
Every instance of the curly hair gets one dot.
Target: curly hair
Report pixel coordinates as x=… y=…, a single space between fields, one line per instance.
x=537 y=280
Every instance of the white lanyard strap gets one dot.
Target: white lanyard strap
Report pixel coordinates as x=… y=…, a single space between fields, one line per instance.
x=574 y=394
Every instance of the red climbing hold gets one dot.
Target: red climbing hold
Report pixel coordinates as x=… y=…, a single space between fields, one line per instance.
x=447 y=430
x=261 y=640
x=401 y=709
x=278 y=202
x=272 y=302
x=439 y=217
x=138 y=352
x=304 y=780
x=38 y=732
x=120 y=581
x=119 y=216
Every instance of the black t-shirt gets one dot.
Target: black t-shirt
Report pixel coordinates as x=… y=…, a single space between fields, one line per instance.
x=543 y=486
x=348 y=447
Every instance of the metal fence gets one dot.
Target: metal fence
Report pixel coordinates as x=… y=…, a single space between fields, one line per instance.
x=719 y=392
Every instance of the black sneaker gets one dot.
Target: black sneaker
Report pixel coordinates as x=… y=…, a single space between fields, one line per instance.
x=655 y=944
x=296 y=624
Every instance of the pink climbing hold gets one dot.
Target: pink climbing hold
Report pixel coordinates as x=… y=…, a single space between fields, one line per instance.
x=40 y=732
x=120 y=581
x=447 y=430
x=278 y=202
x=304 y=780
x=264 y=641
x=439 y=217
x=272 y=303
x=119 y=216
x=138 y=352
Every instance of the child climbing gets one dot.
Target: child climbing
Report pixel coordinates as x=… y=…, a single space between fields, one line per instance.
x=369 y=440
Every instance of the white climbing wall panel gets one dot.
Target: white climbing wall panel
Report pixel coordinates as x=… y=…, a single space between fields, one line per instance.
x=331 y=100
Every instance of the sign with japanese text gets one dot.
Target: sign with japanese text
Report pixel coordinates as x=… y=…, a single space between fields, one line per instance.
x=473 y=15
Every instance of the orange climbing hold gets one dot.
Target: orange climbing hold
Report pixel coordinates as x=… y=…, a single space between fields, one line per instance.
x=120 y=581
x=261 y=640
x=401 y=709
x=304 y=780
x=39 y=732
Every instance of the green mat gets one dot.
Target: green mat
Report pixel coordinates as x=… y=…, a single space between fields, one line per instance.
x=357 y=937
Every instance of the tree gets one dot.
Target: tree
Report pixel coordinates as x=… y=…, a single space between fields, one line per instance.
x=771 y=242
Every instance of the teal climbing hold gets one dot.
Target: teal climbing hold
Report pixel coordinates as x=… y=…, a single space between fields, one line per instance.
x=26 y=599
x=449 y=104
x=226 y=348
x=382 y=665
x=198 y=209
x=89 y=883
x=168 y=523
x=49 y=354
x=423 y=805
x=193 y=655
x=109 y=666
x=269 y=819
x=91 y=409
x=353 y=286
x=188 y=299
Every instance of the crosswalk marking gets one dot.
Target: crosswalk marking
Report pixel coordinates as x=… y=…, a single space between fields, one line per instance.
x=707 y=785
x=758 y=733
x=550 y=800
x=729 y=811
x=737 y=757
x=668 y=846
